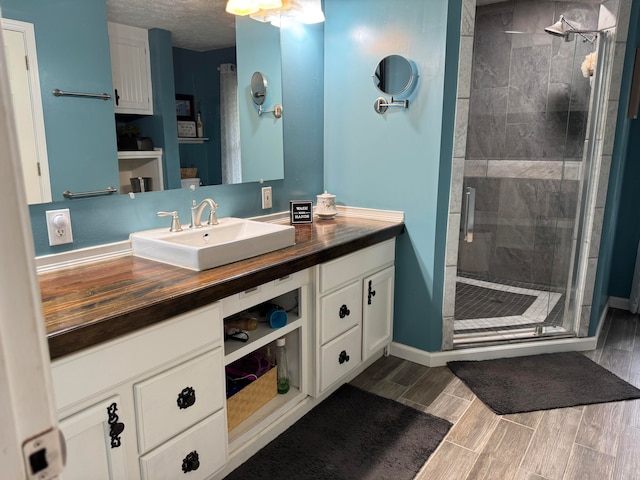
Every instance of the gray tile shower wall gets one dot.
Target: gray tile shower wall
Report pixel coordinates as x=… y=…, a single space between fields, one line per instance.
x=527 y=116
x=523 y=230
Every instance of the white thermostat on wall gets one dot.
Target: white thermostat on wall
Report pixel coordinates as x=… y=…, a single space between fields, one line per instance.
x=187 y=129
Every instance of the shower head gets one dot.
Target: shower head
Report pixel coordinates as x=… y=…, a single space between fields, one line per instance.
x=559 y=30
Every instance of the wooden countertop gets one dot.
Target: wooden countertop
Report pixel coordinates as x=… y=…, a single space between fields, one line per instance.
x=92 y=303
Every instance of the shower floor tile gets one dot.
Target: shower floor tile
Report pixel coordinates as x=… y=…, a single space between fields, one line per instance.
x=488 y=306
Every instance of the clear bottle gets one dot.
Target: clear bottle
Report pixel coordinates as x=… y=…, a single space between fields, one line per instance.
x=282 y=365
x=199 y=127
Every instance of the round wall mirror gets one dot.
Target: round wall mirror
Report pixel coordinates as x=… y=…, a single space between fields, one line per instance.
x=258 y=88
x=394 y=75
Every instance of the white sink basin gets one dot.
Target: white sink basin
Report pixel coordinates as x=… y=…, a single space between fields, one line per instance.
x=233 y=239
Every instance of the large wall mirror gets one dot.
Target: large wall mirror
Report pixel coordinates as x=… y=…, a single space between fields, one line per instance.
x=72 y=43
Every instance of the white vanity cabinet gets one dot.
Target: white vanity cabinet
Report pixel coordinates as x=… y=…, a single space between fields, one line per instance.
x=152 y=404
x=354 y=311
x=147 y=405
x=130 y=69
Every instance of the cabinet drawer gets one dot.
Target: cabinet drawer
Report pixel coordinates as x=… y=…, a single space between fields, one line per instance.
x=206 y=441
x=96 y=369
x=339 y=357
x=172 y=401
x=340 y=271
x=340 y=311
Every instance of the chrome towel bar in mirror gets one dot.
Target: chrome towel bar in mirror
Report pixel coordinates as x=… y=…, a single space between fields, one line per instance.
x=259 y=95
x=394 y=76
x=61 y=93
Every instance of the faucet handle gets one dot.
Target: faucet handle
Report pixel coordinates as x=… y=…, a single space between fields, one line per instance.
x=175 y=221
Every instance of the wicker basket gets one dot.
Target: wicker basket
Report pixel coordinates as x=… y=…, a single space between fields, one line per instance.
x=190 y=172
x=244 y=403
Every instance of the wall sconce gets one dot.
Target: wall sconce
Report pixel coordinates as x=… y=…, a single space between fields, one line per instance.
x=394 y=76
x=259 y=95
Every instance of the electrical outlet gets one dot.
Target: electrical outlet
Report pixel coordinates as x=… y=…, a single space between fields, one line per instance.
x=267 y=201
x=59 y=226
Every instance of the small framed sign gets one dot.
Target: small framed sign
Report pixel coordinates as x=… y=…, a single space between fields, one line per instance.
x=301 y=211
x=186 y=129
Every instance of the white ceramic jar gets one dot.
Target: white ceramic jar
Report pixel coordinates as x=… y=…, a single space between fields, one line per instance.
x=326 y=205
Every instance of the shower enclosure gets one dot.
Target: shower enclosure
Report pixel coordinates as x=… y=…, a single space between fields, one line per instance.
x=527 y=169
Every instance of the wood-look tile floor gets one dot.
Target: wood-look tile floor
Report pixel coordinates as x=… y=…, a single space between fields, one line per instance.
x=593 y=442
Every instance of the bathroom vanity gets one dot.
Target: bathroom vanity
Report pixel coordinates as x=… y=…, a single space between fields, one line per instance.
x=138 y=351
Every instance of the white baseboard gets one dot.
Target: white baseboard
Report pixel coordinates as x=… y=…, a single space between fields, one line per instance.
x=439 y=359
x=617 y=302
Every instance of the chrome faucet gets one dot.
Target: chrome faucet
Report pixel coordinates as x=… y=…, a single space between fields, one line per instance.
x=196 y=213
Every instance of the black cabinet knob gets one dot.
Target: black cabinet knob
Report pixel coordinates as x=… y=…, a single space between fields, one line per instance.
x=186 y=397
x=344 y=311
x=343 y=357
x=191 y=462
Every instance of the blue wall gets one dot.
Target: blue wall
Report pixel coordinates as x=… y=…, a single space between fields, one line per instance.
x=73 y=55
x=196 y=73
x=399 y=160
x=261 y=137
x=615 y=275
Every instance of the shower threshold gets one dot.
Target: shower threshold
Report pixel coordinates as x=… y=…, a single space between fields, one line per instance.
x=529 y=334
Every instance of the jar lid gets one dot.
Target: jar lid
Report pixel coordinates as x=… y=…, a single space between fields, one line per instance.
x=326 y=195
x=280 y=342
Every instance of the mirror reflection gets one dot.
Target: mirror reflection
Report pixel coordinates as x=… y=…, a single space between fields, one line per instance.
x=393 y=75
x=79 y=137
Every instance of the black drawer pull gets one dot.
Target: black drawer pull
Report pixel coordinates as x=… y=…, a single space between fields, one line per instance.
x=115 y=427
x=371 y=293
x=186 y=397
x=344 y=311
x=191 y=462
x=343 y=357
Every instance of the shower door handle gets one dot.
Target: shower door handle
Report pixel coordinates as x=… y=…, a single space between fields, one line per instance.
x=469 y=213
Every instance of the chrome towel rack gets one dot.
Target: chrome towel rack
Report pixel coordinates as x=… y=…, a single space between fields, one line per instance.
x=61 y=93
x=107 y=191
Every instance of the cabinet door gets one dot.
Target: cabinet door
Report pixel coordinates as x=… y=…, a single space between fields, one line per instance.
x=130 y=69
x=377 y=311
x=94 y=446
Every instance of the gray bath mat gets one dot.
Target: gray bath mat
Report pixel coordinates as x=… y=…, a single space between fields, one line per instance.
x=541 y=382
x=351 y=435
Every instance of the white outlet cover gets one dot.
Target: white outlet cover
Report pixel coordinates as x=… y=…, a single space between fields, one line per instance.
x=59 y=226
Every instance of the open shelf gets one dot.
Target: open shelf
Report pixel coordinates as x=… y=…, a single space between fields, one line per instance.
x=265 y=415
x=263 y=335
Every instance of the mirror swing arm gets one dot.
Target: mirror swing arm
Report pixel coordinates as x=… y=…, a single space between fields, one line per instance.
x=381 y=104
x=277 y=110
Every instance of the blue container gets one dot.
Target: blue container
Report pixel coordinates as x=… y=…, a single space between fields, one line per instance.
x=277 y=317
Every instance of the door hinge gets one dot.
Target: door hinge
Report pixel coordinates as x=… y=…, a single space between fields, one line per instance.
x=26 y=61
x=39 y=171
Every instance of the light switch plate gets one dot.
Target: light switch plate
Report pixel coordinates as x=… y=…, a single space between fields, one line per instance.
x=267 y=200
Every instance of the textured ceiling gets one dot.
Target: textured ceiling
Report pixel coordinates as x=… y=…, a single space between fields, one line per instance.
x=198 y=25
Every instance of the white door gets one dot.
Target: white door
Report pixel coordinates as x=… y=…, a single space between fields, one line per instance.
x=27 y=415
x=22 y=63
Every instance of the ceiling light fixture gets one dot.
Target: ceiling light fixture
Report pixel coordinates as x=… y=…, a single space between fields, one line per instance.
x=304 y=11
x=241 y=7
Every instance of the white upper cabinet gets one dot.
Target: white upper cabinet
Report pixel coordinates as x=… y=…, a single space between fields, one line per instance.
x=130 y=69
